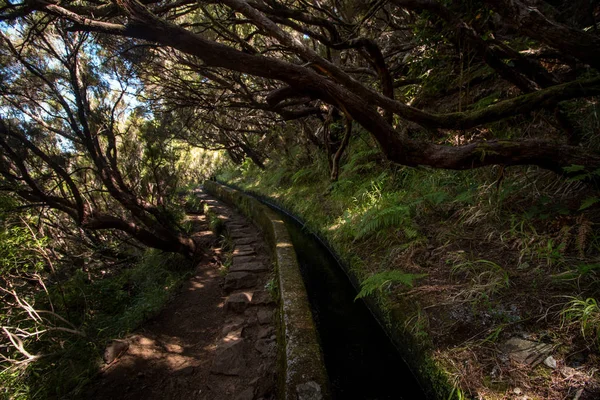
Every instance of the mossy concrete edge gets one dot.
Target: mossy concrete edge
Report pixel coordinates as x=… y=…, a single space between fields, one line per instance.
x=305 y=374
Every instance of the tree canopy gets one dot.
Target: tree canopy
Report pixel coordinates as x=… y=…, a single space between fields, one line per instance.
x=228 y=75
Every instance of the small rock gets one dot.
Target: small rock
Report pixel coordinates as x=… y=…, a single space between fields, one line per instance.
x=114 y=350
x=517 y=390
x=526 y=351
x=309 y=391
x=550 y=362
x=264 y=316
x=240 y=280
x=247 y=394
x=238 y=302
x=251 y=320
x=264 y=331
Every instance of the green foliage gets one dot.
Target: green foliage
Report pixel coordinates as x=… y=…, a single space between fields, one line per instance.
x=586 y=315
x=272 y=287
x=216 y=224
x=101 y=308
x=384 y=280
x=587 y=272
x=303 y=176
x=579 y=173
x=376 y=220
x=588 y=202
x=498 y=229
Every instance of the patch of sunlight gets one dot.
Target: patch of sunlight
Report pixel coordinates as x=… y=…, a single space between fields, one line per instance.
x=335 y=226
x=196 y=285
x=174 y=348
x=284 y=244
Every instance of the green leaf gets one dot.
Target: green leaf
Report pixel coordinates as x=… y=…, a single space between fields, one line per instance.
x=573 y=168
x=587 y=203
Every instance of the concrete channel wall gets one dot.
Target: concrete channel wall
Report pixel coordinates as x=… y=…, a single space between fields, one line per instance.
x=305 y=377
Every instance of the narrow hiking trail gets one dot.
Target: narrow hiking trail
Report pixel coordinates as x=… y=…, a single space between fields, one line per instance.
x=216 y=339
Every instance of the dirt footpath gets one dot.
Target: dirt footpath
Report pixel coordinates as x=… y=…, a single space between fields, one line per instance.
x=215 y=340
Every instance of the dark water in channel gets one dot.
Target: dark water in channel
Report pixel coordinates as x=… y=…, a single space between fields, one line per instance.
x=361 y=361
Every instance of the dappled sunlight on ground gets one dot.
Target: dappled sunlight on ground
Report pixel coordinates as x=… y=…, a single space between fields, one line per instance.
x=169 y=358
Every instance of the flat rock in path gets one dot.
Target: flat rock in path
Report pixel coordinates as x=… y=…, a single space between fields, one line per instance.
x=244 y=241
x=240 y=280
x=229 y=358
x=248 y=267
x=238 y=302
x=526 y=351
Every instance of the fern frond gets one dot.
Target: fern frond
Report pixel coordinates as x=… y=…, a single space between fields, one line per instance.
x=381 y=219
x=385 y=279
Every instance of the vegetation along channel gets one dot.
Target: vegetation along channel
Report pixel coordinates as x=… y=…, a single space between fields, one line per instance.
x=446 y=151
x=361 y=361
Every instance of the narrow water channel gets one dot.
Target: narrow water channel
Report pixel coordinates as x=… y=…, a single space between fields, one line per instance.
x=361 y=361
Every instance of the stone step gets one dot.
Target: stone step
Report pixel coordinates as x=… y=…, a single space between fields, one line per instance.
x=262 y=297
x=233 y=226
x=238 y=302
x=237 y=259
x=248 y=267
x=244 y=251
x=240 y=280
x=245 y=241
x=239 y=234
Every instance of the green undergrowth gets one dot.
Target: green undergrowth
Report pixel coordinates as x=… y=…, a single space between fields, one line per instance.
x=99 y=307
x=466 y=255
